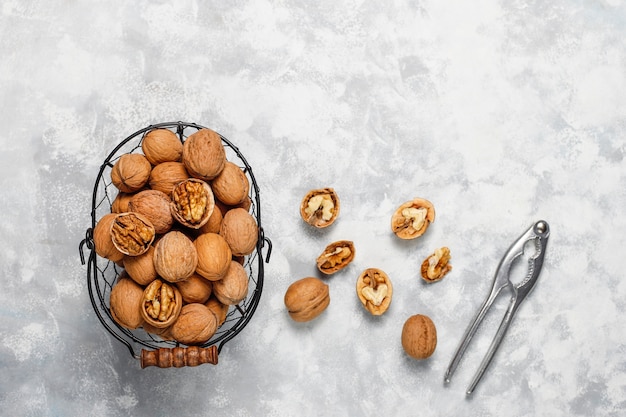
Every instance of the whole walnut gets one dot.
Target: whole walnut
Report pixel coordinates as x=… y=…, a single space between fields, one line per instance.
x=162 y=145
x=218 y=308
x=125 y=303
x=419 y=336
x=141 y=268
x=120 y=203
x=195 y=289
x=102 y=239
x=130 y=172
x=155 y=206
x=214 y=224
x=231 y=186
x=240 y=230
x=204 y=155
x=175 y=257
x=214 y=256
x=306 y=299
x=195 y=324
x=233 y=288
x=166 y=175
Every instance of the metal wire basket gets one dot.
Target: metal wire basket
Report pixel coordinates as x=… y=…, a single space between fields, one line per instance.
x=102 y=273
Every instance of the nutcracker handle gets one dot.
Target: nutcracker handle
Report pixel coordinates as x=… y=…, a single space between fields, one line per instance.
x=178 y=357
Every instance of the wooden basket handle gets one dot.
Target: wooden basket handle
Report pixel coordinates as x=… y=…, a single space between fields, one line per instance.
x=178 y=357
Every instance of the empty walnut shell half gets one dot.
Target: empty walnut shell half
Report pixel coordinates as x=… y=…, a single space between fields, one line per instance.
x=320 y=208
x=412 y=218
x=125 y=303
x=161 y=304
x=374 y=289
x=130 y=172
x=192 y=203
x=162 y=145
x=336 y=256
x=204 y=155
x=436 y=266
x=132 y=233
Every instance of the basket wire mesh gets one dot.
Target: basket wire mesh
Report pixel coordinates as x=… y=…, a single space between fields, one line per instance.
x=102 y=273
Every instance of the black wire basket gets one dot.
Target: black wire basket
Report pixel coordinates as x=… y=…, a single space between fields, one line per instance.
x=102 y=273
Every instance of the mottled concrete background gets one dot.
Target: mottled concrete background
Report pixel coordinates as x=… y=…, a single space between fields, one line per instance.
x=499 y=112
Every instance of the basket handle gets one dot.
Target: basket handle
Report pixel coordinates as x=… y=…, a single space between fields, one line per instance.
x=178 y=357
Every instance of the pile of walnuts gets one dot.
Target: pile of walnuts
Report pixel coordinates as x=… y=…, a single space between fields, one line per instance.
x=180 y=227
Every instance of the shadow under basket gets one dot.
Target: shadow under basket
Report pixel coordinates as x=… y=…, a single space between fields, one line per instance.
x=102 y=274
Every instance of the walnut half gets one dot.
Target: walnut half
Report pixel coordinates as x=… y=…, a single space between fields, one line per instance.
x=436 y=266
x=374 y=289
x=320 y=208
x=412 y=218
x=336 y=256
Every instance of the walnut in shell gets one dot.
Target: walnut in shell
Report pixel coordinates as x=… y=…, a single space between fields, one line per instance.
x=233 y=288
x=166 y=175
x=192 y=203
x=214 y=224
x=195 y=325
x=320 y=208
x=306 y=299
x=374 y=290
x=125 y=303
x=195 y=289
x=218 y=308
x=419 y=336
x=155 y=206
x=120 y=204
x=204 y=155
x=437 y=265
x=336 y=256
x=161 y=304
x=231 y=186
x=132 y=233
x=130 y=172
x=140 y=268
x=240 y=230
x=162 y=145
x=175 y=257
x=412 y=218
x=102 y=239
x=214 y=256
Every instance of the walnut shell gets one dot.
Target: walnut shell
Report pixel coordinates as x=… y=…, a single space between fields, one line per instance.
x=192 y=203
x=166 y=175
x=233 y=288
x=214 y=256
x=132 y=233
x=240 y=230
x=306 y=299
x=320 y=207
x=125 y=303
x=374 y=289
x=120 y=204
x=195 y=325
x=162 y=145
x=195 y=289
x=155 y=205
x=130 y=172
x=161 y=304
x=419 y=336
x=214 y=224
x=204 y=155
x=231 y=186
x=218 y=308
x=175 y=257
x=412 y=218
x=140 y=268
x=336 y=256
x=102 y=239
